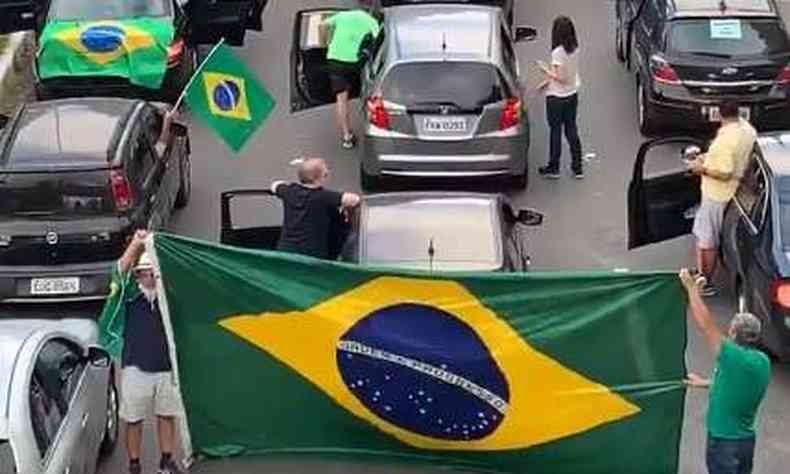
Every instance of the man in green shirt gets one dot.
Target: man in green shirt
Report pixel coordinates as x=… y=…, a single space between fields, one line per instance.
x=740 y=380
x=349 y=30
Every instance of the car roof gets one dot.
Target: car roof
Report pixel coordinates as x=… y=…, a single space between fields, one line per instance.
x=419 y=32
x=69 y=130
x=13 y=335
x=708 y=8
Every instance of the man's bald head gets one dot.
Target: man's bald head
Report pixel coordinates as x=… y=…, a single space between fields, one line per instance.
x=312 y=171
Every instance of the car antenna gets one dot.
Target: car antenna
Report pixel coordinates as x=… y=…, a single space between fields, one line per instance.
x=431 y=253
x=722 y=6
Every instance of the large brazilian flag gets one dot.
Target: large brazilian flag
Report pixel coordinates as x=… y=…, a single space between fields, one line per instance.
x=135 y=49
x=284 y=355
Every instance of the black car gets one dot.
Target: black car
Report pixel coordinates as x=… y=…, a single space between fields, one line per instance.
x=196 y=22
x=77 y=178
x=689 y=56
x=755 y=242
x=416 y=230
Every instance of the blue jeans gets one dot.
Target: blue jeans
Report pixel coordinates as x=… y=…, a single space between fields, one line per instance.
x=561 y=114
x=729 y=456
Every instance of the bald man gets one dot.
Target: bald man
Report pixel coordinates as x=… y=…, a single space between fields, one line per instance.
x=312 y=215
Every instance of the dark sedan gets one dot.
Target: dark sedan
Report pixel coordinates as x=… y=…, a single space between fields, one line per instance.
x=415 y=230
x=77 y=178
x=755 y=243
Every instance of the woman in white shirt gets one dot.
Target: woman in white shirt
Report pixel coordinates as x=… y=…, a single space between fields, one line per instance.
x=562 y=98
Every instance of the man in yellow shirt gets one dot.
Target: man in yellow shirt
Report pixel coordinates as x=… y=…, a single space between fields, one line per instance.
x=721 y=169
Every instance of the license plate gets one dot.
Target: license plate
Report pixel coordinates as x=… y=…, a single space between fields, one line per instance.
x=55 y=286
x=714 y=114
x=444 y=124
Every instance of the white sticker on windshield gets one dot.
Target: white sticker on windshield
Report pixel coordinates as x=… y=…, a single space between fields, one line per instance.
x=725 y=29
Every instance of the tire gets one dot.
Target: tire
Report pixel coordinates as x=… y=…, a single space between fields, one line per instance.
x=520 y=181
x=647 y=122
x=110 y=436
x=185 y=183
x=368 y=182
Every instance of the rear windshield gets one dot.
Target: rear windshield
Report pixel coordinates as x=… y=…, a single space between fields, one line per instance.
x=400 y=234
x=48 y=196
x=103 y=10
x=728 y=37
x=465 y=85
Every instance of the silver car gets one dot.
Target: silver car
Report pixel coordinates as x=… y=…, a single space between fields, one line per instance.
x=58 y=401
x=441 y=93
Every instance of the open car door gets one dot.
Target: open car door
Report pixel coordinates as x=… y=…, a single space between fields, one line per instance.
x=21 y=15
x=213 y=20
x=310 y=86
x=661 y=204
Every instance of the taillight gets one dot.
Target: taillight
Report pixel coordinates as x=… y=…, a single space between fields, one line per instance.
x=174 y=52
x=377 y=113
x=783 y=78
x=780 y=293
x=121 y=191
x=511 y=114
x=664 y=73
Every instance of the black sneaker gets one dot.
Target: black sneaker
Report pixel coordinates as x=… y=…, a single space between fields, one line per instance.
x=578 y=174
x=349 y=141
x=135 y=467
x=548 y=172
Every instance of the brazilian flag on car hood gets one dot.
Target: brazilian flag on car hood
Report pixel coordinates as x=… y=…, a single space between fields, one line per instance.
x=135 y=49
x=517 y=373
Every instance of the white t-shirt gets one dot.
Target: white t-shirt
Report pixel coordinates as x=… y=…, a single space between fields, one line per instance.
x=569 y=65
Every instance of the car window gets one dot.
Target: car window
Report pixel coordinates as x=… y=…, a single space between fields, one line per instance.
x=45 y=415
x=102 y=10
x=508 y=55
x=751 y=37
x=60 y=365
x=752 y=191
x=401 y=234
x=468 y=85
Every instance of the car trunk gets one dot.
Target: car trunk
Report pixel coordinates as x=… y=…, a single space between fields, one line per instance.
x=462 y=100
x=727 y=77
x=62 y=217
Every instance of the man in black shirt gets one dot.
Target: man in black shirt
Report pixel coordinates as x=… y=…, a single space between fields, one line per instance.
x=313 y=215
x=146 y=374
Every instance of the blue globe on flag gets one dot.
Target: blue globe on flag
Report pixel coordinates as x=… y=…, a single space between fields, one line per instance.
x=226 y=95
x=102 y=38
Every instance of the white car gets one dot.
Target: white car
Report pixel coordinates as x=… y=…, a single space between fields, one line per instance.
x=58 y=400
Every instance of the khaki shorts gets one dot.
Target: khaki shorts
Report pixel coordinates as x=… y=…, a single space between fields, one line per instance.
x=140 y=390
x=707 y=223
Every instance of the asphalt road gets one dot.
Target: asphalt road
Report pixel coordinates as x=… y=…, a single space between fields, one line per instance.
x=585 y=225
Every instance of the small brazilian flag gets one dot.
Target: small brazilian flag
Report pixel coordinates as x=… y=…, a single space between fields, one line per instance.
x=228 y=98
x=540 y=373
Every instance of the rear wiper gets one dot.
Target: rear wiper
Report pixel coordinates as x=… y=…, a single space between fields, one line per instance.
x=709 y=54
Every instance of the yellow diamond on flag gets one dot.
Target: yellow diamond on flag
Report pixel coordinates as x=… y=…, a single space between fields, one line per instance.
x=226 y=95
x=105 y=42
x=396 y=352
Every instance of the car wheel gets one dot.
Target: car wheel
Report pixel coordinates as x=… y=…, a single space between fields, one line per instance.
x=647 y=124
x=368 y=182
x=110 y=437
x=185 y=183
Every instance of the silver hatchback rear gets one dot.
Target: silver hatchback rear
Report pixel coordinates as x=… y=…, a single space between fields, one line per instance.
x=442 y=97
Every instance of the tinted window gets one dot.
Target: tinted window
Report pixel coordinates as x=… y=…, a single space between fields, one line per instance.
x=46 y=416
x=754 y=37
x=400 y=234
x=98 y=10
x=468 y=85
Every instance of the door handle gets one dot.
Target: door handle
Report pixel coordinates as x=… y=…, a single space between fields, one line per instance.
x=84 y=422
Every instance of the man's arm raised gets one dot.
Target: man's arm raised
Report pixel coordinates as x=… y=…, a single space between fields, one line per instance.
x=700 y=312
x=132 y=252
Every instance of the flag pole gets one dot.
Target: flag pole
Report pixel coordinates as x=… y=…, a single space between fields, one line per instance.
x=195 y=74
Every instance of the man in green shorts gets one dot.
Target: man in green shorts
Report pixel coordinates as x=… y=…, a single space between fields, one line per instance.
x=348 y=31
x=739 y=383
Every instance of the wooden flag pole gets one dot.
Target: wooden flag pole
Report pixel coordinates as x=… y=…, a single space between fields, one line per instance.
x=195 y=74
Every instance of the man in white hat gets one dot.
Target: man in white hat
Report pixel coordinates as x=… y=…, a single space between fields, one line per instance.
x=146 y=375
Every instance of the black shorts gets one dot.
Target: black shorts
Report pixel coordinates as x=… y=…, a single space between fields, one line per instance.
x=342 y=76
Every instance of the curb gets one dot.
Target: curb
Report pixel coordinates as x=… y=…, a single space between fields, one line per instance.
x=12 y=63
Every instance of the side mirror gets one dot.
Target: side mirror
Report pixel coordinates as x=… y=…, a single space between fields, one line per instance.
x=98 y=357
x=529 y=217
x=525 y=33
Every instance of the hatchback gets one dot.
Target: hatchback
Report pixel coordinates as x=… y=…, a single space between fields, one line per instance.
x=689 y=56
x=77 y=178
x=441 y=95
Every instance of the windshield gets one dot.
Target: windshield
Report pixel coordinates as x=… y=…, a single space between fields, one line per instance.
x=65 y=10
x=465 y=85
x=463 y=232
x=47 y=196
x=728 y=37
